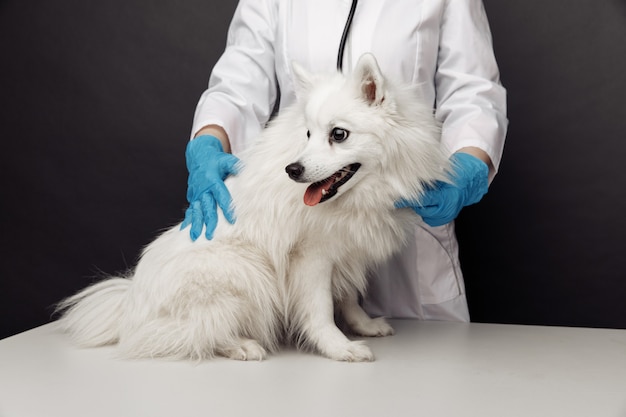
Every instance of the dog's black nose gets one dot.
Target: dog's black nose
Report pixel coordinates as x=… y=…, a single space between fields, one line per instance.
x=294 y=170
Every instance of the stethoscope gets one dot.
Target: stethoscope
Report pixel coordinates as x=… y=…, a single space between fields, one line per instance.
x=344 y=36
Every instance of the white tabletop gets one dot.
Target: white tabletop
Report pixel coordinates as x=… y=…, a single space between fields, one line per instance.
x=426 y=369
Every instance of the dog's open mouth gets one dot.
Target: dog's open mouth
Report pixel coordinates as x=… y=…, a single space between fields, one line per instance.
x=321 y=191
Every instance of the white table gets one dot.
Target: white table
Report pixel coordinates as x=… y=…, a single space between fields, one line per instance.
x=427 y=369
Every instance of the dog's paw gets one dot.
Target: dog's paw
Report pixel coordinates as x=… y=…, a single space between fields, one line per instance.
x=356 y=351
x=377 y=327
x=247 y=350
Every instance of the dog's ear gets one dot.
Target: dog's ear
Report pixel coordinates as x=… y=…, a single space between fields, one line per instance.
x=302 y=80
x=370 y=79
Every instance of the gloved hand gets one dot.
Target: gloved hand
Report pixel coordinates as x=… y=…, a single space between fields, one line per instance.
x=443 y=202
x=208 y=167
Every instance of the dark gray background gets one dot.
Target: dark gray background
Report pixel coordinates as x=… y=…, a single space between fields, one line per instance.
x=96 y=105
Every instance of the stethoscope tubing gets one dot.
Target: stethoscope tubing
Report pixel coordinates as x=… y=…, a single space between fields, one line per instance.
x=344 y=36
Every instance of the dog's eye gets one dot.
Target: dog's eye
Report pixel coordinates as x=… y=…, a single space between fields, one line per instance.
x=308 y=133
x=339 y=135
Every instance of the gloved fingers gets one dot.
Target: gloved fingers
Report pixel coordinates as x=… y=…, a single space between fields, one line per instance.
x=432 y=196
x=196 y=220
x=477 y=188
x=204 y=178
x=404 y=203
x=192 y=192
x=228 y=165
x=224 y=200
x=209 y=213
x=441 y=203
x=197 y=183
x=441 y=206
x=429 y=211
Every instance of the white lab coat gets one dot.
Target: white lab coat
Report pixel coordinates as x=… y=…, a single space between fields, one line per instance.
x=444 y=46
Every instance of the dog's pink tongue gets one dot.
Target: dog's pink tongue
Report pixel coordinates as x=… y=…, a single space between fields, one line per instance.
x=313 y=194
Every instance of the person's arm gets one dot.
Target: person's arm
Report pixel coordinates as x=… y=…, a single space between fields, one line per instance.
x=471 y=102
x=242 y=88
x=239 y=100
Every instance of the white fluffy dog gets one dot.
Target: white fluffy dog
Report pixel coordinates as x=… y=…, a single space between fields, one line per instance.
x=302 y=242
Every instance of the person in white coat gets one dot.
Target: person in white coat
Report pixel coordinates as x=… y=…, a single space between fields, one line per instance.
x=443 y=46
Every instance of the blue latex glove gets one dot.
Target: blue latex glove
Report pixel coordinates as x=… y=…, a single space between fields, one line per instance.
x=443 y=202
x=208 y=167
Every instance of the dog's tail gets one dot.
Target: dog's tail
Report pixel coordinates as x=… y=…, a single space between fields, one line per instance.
x=92 y=317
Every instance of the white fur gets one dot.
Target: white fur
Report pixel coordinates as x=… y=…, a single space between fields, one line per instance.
x=281 y=270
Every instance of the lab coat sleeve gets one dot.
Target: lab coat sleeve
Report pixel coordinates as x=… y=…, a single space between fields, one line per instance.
x=242 y=87
x=471 y=102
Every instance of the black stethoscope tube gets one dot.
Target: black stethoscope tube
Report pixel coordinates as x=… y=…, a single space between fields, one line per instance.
x=344 y=36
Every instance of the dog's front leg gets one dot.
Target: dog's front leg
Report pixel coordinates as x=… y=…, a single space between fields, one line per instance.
x=312 y=310
x=359 y=321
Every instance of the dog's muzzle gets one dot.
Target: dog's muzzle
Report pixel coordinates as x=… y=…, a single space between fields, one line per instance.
x=320 y=191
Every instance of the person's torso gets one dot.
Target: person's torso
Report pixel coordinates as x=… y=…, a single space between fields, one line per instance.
x=403 y=35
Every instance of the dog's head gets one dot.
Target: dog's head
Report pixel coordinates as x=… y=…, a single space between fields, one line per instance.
x=336 y=112
x=360 y=126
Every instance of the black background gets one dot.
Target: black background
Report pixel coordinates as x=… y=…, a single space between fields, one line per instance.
x=97 y=100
